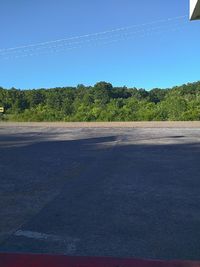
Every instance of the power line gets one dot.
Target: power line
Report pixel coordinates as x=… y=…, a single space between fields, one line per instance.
x=4 y=50
x=56 y=49
x=85 y=41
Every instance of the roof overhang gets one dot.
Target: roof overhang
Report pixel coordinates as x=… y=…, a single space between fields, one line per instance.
x=194 y=9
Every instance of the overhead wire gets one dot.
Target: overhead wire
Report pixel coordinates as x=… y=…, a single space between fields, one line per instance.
x=68 y=43
x=57 y=50
x=94 y=39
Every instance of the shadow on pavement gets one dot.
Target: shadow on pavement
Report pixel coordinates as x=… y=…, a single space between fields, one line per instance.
x=126 y=200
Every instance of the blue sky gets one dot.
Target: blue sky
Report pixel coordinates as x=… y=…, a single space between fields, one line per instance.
x=163 y=54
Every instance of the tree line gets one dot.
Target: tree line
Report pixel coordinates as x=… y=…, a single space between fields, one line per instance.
x=101 y=102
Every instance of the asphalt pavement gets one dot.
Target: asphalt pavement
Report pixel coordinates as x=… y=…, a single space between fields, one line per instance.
x=118 y=192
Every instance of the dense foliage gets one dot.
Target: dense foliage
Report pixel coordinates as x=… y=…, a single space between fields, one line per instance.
x=103 y=102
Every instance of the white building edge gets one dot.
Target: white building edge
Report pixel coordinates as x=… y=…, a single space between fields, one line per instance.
x=194 y=9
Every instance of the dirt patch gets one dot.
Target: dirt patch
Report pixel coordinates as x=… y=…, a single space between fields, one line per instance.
x=163 y=124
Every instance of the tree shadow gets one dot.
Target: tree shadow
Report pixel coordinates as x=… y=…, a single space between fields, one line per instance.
x=126 y=200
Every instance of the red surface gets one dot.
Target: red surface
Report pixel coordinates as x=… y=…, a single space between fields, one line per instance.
x=21 y=260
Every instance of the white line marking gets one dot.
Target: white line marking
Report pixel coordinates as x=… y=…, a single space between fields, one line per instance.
x=36 y=235
x=68 y=242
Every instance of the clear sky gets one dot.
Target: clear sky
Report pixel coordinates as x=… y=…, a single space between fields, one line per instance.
x=161 y=54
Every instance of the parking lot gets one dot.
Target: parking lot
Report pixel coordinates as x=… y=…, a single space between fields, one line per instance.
x=100 y=191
